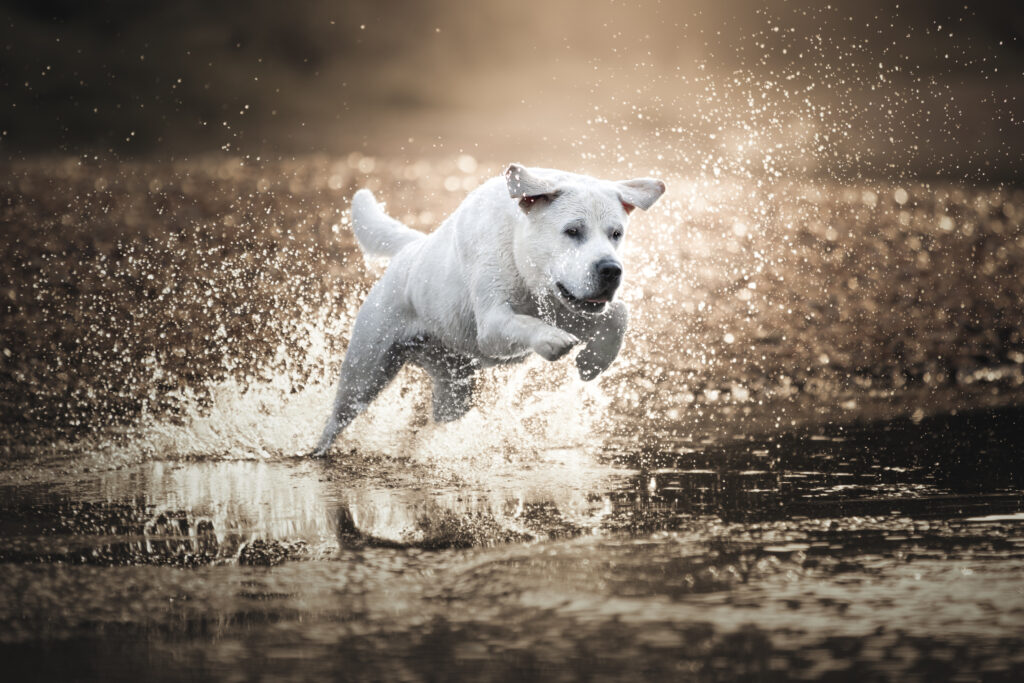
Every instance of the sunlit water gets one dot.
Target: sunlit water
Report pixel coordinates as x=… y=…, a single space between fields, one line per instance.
x=805 y=462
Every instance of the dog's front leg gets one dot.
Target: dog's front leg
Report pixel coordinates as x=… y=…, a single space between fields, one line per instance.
x=502 y=333
x=605 y=342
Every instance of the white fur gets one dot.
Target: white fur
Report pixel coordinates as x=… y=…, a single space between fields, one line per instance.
x=499 y=279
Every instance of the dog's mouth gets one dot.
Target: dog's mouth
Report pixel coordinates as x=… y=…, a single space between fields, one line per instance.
x=594 y=304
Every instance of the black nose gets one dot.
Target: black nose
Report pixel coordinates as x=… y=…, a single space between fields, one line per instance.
x=609 y=272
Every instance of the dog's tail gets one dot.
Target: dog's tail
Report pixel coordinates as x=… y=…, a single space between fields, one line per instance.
x=378 y=233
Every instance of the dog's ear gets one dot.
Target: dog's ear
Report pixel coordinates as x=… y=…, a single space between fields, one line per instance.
x=639 y=193
x=528 y=188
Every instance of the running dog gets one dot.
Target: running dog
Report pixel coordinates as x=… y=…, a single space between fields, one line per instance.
x=529 y=262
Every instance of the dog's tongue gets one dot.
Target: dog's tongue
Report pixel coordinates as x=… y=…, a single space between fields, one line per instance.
x=597 y=301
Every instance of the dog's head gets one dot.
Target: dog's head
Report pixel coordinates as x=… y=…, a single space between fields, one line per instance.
x=569 y=245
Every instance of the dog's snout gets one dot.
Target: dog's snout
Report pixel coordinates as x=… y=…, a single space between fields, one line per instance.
x=609 y=272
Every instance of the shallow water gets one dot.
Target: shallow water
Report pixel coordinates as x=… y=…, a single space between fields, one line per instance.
x=805 y=464
x=789 y=558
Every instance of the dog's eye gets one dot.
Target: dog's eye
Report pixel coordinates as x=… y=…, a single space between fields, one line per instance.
x=616 y=235
x=573 y=231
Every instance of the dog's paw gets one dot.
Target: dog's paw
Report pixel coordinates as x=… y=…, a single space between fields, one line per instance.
x=604 y=345
x=589 y=364
x=552 y=343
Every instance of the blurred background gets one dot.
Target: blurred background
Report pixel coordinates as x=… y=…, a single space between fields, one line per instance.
x=849 y=89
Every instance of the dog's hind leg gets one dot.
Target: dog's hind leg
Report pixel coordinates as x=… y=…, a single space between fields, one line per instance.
x=605 y=340
x=375 y=355
x=362 y=379
x=452 y=394
x=452 y=376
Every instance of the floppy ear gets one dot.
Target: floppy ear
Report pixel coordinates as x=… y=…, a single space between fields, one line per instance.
x=526 y=187
x=639 y=193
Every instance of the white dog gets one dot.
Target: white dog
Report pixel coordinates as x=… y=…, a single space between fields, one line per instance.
x=528 y=262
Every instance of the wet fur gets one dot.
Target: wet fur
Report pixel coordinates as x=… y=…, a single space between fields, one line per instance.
x=489 y=286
